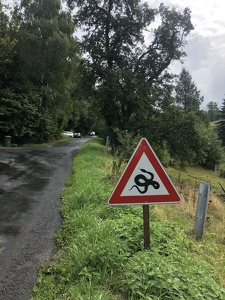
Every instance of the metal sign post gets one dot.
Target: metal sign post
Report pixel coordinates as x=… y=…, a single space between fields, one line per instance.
x=146 y=227
x=144 y=181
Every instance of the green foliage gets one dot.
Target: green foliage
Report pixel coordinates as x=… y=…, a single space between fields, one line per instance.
x=7 y=44
x=21 y=119
x=18 y=116
x=222 y=171
x=213 y=111
x=163 y=154
x=121 y=82
x=221 y=124
x=168 y=272
x=187 y=94
x=122 y=72
x=100 y=248
x=183 y=138
x=177 y=131
x=154 y=276
x=209 y=151
x=38 y=62
x=127 y=144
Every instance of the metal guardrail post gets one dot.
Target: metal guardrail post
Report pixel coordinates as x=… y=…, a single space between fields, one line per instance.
x=201 y=211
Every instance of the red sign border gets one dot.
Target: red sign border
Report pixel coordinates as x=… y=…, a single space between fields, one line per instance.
x=172 y=197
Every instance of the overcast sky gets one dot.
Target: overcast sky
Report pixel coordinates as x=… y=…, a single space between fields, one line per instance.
x=206 y=45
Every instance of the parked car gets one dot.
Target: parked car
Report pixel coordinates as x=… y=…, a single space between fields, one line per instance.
x=68 y=134
x=77 y=135
x=92 y=133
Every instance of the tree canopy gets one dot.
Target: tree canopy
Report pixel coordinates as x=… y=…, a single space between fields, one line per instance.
x=221 y=123
x=187 y=94
x=42 y=68
x=213 y=111
x=115 y=79
x=126 y=70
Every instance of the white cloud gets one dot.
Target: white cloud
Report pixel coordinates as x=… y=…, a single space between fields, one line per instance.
x=206 y=46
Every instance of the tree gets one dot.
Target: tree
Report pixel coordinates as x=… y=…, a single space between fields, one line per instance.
x=121 y=68
x=221 y=124
x=19 y=117
x=7 y=45
x=213 y=111
x=185 y=138
x=43 y=72
x=208 y=147
x=187 y=95
x=177 y=134
x=48 y=52
x=38 y=73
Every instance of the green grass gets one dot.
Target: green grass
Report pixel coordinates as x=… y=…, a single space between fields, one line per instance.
x=99 y=250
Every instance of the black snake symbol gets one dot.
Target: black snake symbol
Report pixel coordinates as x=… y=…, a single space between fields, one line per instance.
x=142 y=181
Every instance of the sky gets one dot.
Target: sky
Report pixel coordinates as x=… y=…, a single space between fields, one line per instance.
x=205 y=50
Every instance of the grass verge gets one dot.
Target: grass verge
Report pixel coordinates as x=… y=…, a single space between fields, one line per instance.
x=99 y=249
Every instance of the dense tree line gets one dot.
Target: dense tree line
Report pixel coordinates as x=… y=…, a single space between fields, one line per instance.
x=115 y=79
x=221 y=123
x=213 y=111
x=40 y=61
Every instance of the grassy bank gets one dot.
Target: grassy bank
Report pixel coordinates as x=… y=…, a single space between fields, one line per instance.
x=99 y=253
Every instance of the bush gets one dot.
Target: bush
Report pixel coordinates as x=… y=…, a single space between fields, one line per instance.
x=169 y=271
x=222 y=171
x=156 y=276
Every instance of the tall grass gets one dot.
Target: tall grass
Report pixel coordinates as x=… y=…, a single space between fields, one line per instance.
x=99 y=250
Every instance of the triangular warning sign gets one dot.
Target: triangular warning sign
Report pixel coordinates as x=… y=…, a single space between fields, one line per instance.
x=144 y=181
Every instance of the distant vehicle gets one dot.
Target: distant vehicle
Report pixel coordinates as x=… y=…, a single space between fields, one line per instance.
x=77 y=135
x=92 y=133
x=68 y=134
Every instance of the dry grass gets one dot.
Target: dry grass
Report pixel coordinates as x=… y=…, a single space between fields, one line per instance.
x=211 y=247
x=187 y=182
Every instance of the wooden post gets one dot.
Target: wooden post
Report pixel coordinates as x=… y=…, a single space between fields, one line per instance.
x=146 y=227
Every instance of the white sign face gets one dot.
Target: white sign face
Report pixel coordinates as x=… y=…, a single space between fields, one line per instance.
x=144 y=181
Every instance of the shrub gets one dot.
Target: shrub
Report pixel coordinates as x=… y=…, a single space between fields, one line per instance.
x=154 y=276
x=222 y=171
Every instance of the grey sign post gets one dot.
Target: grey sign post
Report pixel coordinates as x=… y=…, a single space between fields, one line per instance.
x=201 y=211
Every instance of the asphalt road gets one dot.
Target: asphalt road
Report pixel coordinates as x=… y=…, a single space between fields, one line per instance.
x=31 y=180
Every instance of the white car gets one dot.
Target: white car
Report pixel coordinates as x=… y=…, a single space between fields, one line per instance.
x=92 y=133
x=77 y=135
x=68 y=134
